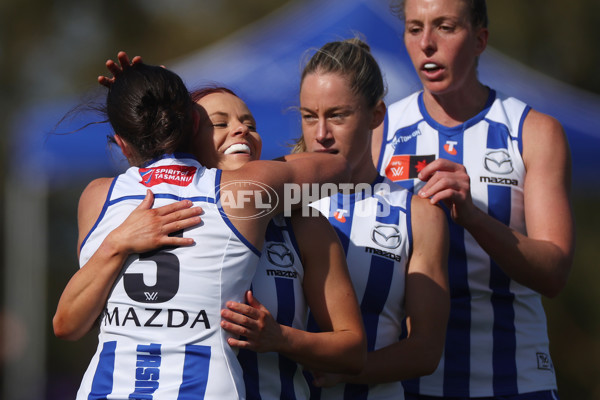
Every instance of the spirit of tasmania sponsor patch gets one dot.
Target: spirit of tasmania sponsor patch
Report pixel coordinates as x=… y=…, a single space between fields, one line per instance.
x=180 y=175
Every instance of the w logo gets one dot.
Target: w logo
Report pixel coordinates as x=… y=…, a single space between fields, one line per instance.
x=151 y=296
x=397 y=171
x=405 y=166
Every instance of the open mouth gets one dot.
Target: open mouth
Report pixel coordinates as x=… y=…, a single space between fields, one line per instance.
x=238 y=148
x=330 y=151
x=431 y=67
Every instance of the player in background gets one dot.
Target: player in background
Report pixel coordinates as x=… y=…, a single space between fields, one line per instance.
x=503 y=172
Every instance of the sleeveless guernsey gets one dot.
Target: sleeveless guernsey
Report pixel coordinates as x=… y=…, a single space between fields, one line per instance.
x=374 y=226
x=160 y=336
x=496 y=341
x=278 y=286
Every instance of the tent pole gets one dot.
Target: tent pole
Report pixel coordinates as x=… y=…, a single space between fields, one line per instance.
x=24 y=315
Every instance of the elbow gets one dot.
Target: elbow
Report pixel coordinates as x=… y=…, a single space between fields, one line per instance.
x=60 y=329
x=429 y=348
x=63 y=330
x=553 y=288
x=430 y=360
x=559 y=268
x=555 y=284
x=430 y=363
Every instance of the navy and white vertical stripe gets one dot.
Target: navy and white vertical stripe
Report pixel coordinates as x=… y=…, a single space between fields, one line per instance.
x=160 y=335
x=278 y=286
x=496 y=341
x=374 y=227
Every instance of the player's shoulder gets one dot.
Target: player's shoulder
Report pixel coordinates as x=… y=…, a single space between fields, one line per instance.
x=542 y=121
x=96 y=190
x=544 y=139
x=540 y=128
x=91 y=202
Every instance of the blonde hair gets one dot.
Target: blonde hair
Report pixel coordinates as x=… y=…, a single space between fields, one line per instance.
x=352 y=59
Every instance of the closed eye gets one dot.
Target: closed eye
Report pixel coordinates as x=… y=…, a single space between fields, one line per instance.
x=251 y=125
x=413 y=28
x=339 y=115
x=446 y=28
x=308 y=117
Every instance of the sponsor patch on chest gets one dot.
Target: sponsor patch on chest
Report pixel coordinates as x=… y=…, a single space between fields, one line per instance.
x=402 y=167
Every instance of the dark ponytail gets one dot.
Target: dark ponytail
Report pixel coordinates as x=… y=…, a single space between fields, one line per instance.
x=150 y=108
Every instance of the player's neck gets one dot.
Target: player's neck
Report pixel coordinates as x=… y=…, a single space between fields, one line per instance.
x=454 y=108
x=364 y=172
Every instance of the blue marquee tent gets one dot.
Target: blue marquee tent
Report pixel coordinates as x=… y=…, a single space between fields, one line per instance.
x=262 y=63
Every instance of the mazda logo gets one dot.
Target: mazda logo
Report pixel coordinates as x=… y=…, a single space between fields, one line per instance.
x=498 y=162
x=279 y=254
x=386 y=236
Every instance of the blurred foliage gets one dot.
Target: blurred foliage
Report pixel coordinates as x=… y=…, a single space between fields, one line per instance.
x=52 y=49
x=574 y=316
x=552 y=36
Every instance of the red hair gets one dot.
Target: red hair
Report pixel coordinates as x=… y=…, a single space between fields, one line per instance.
x=198 y=94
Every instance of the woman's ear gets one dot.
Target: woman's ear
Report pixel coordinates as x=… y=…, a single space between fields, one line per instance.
x=482 y=40
x=378 y=114
x=125 y=149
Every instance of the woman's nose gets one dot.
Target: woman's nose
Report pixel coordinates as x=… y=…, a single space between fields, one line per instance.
x=427 y=42
x=322 y=131
x=241 y=128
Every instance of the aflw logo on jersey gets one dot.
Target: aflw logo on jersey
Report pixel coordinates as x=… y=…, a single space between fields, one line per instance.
x=402 y=167
x=179 y=175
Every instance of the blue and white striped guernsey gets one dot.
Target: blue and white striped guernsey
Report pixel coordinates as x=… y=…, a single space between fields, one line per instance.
x=278 y=286
x=497 y=342
x=160 y=334
x=374 y=227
